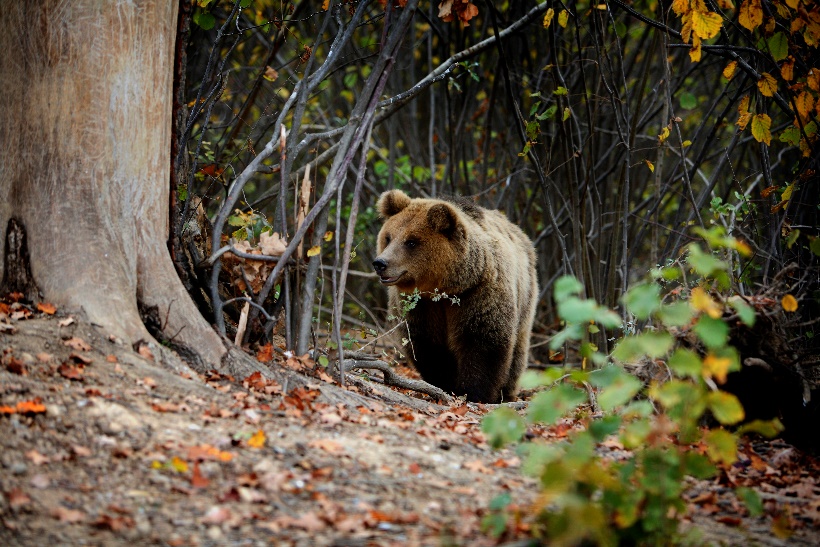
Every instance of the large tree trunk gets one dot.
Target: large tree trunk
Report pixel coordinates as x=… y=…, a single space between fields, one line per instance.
x=85 y=143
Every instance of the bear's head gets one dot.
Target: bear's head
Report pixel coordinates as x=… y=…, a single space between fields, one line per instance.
x=421 y=244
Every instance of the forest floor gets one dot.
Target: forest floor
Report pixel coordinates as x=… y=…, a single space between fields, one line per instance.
x=101 y=446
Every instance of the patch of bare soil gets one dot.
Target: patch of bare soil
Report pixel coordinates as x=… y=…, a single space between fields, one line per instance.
x=102 y=445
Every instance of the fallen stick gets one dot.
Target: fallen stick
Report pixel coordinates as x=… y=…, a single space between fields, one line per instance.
x=366 y=361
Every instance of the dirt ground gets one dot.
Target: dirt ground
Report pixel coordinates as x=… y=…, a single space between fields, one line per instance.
x=103 y=445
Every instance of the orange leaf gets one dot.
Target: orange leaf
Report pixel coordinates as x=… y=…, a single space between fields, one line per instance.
x=716 y=367
x=265 y=353
x=767 y=84
x=761 y=125
x=813 y=79
x=257 y=440
x=751 y=14
x=695 y=52
x=805 y=103
x=30 y=407
x=198 y=480
x=789 y=303
x=787 y=69
x=766 y=192
x=46 y=308
x=743 y=111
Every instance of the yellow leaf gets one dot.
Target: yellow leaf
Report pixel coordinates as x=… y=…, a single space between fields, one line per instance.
x=680 y=7
x=729 y=71
x=563 y=17
x=650 y=165
x=789 y=303
x=792 y=3
x=787 y=193
x=706 y=25
x=686 y=143
x=328 y=236
x=743 y=113
x=325 y=5
x=548 y=17
x=664 y=134
x=767 y=84
x=813 y=79
x=787 y=69
x=804 y=102
x=761 y=125
x=314 y=251
x=695 y=52
x=257 y=440
x=701 y=301
x=178 y=464
x=751 y=14
x=716 y=367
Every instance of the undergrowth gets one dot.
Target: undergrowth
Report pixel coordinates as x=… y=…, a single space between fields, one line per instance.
x=664 y=430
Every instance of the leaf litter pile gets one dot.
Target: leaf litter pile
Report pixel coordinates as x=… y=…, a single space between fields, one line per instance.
x=101 y=445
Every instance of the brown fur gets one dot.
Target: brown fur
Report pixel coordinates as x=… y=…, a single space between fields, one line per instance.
x=480 y=346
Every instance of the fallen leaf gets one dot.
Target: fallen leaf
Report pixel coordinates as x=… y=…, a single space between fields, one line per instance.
x=328 y=445
x=198 y=480
x=216 y=515
x=17 y=498
x=36 y=458
x=115 y=524
x=66 y=322
x=477 y=466
x=46 y=308
x=77 y=344
x=71 y=372
x=68 y=515
x=257 y=440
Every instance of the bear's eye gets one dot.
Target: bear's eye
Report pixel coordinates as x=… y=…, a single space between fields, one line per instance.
x=387 y=240
x=411 y=243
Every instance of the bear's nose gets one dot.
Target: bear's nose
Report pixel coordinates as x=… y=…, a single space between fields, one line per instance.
x=379 y=265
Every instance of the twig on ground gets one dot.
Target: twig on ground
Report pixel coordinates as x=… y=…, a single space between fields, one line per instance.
x=365 y=361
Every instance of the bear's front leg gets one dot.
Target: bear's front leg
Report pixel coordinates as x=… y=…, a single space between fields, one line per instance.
x=484 y=354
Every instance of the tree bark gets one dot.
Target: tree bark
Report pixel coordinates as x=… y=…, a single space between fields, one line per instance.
x=86 y=144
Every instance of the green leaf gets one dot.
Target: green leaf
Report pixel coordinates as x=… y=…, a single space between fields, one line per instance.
x=604 y=427
x=651 y=344
x=236 y=221
x=575 y=310
x=565 y=287
x=703 y=263
x=751 y=500
x=790 y=136
x=560 y=91
x=744 y=311
x=685 y=362
x=697 y=465
x=500 y=502
x=204 y=20
x=688 y=101
x=547 y=406
x=766 y=428
x=676 y=314
x=778 y=46
x=503 y=426
x=721 y=446
x=548 y=113
x=618 y=387
x=636 y=433
x=815 y=246
x=494 y=523
x=182 y=192
x=713 y=332
x=570 y=332
x=725 y=407
x=681 y=399
x=642 y=300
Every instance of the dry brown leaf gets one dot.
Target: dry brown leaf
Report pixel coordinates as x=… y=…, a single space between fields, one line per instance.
x=68 y=515
x=328 y=445
x=77 y=344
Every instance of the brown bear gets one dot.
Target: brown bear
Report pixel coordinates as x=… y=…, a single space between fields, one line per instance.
x=478 y=346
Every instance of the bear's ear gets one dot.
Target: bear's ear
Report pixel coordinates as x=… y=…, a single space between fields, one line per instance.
x=392 y=203
x=442 y=218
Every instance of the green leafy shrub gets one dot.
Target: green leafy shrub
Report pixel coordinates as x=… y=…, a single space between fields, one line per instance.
x=656 y=428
